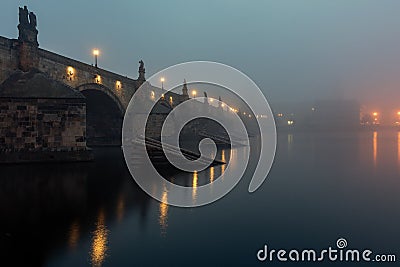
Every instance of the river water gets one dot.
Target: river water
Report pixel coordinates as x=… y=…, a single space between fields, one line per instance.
x=322 y=186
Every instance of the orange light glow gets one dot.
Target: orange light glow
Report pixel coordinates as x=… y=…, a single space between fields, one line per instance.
x=73 y=237
x=163 y=219
x=212 y=173
x=398 y=147
x=98 y=79
x=194 y=185
x=118 y=84
x=375 y=146
x=99 y=245
x=70 y=71
x=223 y=160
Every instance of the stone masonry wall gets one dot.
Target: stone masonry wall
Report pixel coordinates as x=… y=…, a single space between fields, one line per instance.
x=68 y=71
x=42 y=125
x=75 y=73
x=8 y=57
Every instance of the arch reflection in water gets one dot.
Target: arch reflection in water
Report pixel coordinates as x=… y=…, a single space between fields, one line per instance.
x=163 y=219
x=99 y=241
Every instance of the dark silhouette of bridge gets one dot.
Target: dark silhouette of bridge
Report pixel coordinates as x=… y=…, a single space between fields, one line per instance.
x=107 y=94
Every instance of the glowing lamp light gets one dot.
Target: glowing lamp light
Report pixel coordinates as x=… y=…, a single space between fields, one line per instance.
x=70 y=71
x=375 y=114
x=118 y=84
x=162 y=82
x=194 y=93
x=98 y=79
x=96 y=53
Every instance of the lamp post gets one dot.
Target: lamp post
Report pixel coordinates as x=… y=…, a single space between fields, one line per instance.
x=194 y=93
x=96 y=52
x=375 y=116
x=162 y=82
x=398 y=120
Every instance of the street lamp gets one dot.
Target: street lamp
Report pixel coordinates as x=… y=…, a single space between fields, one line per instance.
x=96 y=52
x=162 y=82
x=375 y=114
x=194 y=93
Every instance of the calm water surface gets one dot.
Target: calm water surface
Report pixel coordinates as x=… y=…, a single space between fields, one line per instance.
x=322 y=186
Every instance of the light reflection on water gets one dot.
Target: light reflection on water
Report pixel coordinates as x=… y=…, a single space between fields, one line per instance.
x=99 y=241
x=398 y=148
x=163 y=218
x=120 y=207
x=223 y=158
x=290 y=140
x=194 y=186
x=73 y=237
x=329 y=173
x=375 y=147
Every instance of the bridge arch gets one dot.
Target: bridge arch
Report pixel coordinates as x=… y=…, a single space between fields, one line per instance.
x=105 y=90
x=104 y=115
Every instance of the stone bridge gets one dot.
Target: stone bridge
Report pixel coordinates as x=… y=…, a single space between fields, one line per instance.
x=107 y=94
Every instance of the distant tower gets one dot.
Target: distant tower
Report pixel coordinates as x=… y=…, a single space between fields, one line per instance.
x=142 y=72
x=185 y=90
x=27 y=38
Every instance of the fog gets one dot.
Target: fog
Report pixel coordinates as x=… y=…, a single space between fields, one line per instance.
x=294 y=50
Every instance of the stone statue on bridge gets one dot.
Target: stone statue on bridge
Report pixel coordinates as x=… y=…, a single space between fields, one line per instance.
x=32 y=20
x=142 y=71
x=23 y=16
x=206 y=98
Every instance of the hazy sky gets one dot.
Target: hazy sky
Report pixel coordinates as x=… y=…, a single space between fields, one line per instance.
x=294 y=50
